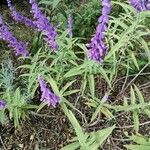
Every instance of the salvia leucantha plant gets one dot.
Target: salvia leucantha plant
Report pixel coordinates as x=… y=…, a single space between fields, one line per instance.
x=97 y=48
x=50 y=74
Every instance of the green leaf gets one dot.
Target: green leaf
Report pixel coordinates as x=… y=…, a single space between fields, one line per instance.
x=84 y=83
x=130 y=107
x=100 y=136
x=74 y=71
x=104 y=74
x=147 y=112
x=71 y=92
x=136 y=121
x=68 y=84
x=2 y=116
x=141 y=140
x=134 y=60
x=97 y=111
x=133 y=98
x=137 y=147
x=82 y=137
x=139 y=94
x=53 y=84
x=91 y=84
x=55 y=3
x=45 y=2
x=42 y=105
x=83 y=47
x=106 y=112
x=146 y=48
x=78 y=130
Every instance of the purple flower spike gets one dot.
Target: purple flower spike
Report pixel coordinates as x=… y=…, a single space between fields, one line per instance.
x=2 y=104
x=44 y=26
x=7 y=36
x=47 y=96
x=40 y=22
x=18 y=17
x=70 y=26
x=140 y=5
x=97 y=47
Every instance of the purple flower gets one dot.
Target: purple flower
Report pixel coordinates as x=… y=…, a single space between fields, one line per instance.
x=70 y=26
x=140 y=5
x=7 y=36
x=2 y=104
x=47 y=96
x=44 y=26
x=18 y=17
x=97 y=47
x=40 y=22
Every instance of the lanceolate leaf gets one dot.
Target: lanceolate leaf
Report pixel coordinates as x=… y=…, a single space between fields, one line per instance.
x=91 y=85
x=137 y=147
x=142 y=143
x=100 y=136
